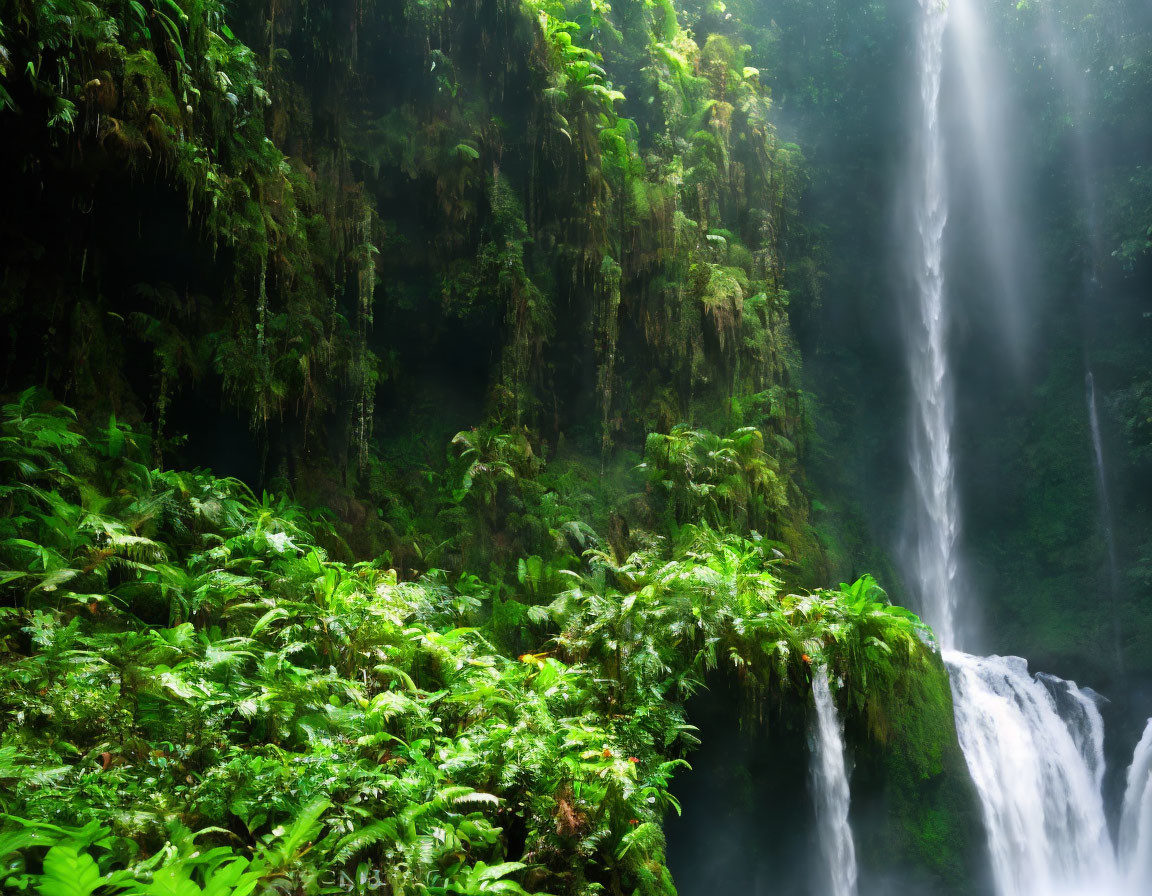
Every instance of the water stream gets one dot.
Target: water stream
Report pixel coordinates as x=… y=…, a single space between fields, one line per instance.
x=1075 y=91
x=830 y=789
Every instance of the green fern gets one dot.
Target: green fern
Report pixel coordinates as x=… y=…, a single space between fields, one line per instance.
x=68 y=872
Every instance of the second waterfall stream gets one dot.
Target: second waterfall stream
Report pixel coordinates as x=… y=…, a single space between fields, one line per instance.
x=1136 y=820
x=830 y=789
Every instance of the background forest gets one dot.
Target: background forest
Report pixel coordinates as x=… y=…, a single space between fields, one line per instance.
x=404 y=418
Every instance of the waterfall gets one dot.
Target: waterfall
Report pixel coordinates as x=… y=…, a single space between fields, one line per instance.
x=1075 y=88
x=1136 y=820
x=830 y=789
x=937 y=518
x=1034 y=745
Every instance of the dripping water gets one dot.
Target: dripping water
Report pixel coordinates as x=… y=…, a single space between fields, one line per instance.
x=1105 y=504
x=830 y=789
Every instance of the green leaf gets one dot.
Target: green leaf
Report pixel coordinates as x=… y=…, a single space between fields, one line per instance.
x=502 y=869
x=69 y=873
x=232 y=880
x=265 y=620
x=115 y=438
x=172 y=881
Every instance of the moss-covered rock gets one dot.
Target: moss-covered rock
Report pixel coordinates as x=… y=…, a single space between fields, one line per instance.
x=916 y=813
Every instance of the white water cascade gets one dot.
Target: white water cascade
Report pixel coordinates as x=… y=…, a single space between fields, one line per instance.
x=1136 y=820
x=1038 y=778
x=830 y=789
x=1034 y=744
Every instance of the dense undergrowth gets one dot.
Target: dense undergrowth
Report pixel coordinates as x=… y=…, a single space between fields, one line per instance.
x=193 y=691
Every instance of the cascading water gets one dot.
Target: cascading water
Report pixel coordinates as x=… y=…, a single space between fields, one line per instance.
x=1034 y=745
x=1136 y=819
x=1038 y=778
x=830 y=789
x=1079 y=709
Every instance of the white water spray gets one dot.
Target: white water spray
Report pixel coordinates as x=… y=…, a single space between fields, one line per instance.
x=1136 y=820
x=830 y=789
x=996 y=168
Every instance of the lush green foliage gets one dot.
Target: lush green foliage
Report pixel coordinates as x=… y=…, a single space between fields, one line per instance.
x=160 y=105
x=932 y=819
x=725 y=481
x=194 y=692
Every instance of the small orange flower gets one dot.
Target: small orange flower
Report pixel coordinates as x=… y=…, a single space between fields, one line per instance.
x=607 y=754
x=634 y=821
x=806 y=658
x=633 y=759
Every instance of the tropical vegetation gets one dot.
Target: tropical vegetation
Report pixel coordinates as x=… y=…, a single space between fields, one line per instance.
x=196 y=694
